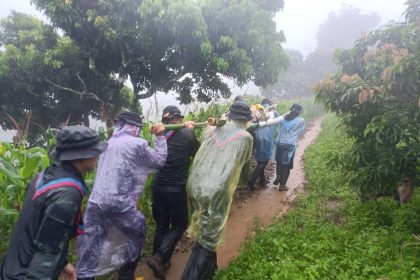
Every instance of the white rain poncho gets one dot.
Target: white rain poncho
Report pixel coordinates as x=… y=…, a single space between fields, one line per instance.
x=115 y=228
x=213 y=179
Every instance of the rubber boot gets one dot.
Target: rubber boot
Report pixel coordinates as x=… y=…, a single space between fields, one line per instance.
x=285 y=175
x=155 y=264
x=285 y=172
x=259 y=169
x=278 y=174
x=201 y=265
x=127 y=271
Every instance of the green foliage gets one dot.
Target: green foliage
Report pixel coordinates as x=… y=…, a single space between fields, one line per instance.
x=377 y=95
x=44 y=73
x=185 y=46
x=18 y=166
x=328 y=234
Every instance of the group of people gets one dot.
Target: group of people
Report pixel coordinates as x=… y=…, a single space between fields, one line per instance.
x=112 y=232
x=288 y=131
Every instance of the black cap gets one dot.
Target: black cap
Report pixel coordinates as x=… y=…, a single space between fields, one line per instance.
x=266 y=101
x=170 y=112
x=240 y=111
x=296 y=108
x=77 y=142
x=130 y=118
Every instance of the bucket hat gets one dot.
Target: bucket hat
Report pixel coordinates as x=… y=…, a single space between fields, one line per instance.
x=130 y=118
x=77 y=142
x=240 y=111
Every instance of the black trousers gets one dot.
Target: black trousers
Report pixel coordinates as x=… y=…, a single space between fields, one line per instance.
x=283 y=172
x=258 y=173
x=170 y=211
x=201 y=265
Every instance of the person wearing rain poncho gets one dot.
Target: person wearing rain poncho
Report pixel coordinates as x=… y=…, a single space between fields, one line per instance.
x=51 y=211
x=264 y=147
x=290 y=130
x=115 y=229
x=213 y=179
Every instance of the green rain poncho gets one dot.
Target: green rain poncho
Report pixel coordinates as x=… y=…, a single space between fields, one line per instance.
x=213 y=179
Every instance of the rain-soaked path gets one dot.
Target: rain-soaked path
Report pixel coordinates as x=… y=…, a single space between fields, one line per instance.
x=262 y=206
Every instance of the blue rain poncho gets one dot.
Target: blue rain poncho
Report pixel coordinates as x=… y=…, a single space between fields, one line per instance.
x=265 y=141
x=289 y=133
x=213 y=179
x=115 y=228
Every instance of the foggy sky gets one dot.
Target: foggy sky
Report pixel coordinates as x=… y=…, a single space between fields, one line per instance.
x=300 y=19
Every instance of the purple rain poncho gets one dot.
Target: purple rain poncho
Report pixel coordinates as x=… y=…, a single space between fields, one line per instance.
x=114 y=228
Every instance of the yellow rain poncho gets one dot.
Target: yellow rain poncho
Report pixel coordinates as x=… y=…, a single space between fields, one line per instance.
x=213 y=179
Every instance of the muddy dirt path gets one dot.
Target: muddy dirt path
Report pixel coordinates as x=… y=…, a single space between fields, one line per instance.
x=262 y=207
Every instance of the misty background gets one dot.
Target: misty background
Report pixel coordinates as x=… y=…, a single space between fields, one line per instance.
x=312 y=34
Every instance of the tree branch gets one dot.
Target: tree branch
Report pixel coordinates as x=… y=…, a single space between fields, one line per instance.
x=82 y=82
x=82 y=94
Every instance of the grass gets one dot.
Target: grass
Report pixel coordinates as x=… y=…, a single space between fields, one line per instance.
x=328 y=234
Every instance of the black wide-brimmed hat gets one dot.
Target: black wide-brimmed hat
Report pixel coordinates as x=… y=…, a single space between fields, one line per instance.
x=77 y=142
x=240 y=111
x=171 y=112
x=130 y=118
x=296 y=108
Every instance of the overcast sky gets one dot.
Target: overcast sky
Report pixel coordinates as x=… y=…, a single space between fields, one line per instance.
x=300 y=19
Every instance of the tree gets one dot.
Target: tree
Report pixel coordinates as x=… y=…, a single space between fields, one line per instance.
x=301 y=75
x=376 y=93
x=340 y=30
x=186 y=46
x=343 y=28
x=42 y=72
x=293 y=81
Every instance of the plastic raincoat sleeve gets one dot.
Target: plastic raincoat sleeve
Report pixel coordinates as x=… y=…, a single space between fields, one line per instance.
x=213 y=179
x=156 y=156
x=53 y=236
x=290 y=131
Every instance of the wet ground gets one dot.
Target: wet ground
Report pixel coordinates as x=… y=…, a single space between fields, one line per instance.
x=249 y=208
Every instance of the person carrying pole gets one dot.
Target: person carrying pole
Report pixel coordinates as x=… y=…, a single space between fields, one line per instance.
x=213 y=179
x=170 y=207
x=290 y=129
x=264 y=140
x=115 y=228
x=51 y=212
